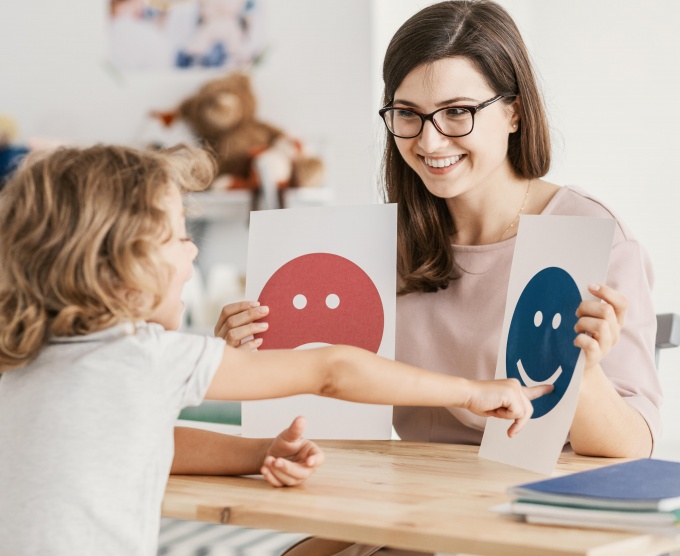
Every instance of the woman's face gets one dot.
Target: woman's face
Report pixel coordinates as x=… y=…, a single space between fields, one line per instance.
x=179 y=252
x=451 y=166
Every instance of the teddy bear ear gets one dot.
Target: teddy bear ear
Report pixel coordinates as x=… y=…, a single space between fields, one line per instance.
x=240 y=81
x=187 y=108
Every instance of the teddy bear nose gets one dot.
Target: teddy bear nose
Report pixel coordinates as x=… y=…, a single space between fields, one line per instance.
x=227 y=101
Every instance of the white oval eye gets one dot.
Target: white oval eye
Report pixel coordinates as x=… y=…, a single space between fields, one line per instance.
x=332 y=301
x=538 y=319
x=299 y=301
x=557 y=320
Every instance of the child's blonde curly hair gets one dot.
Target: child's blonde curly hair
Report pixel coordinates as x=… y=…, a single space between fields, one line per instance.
x=80 y=237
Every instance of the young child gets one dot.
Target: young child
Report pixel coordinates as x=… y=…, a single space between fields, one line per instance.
x=93 y=257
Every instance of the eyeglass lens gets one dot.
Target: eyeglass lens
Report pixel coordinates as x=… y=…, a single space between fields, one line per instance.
x=452 y=121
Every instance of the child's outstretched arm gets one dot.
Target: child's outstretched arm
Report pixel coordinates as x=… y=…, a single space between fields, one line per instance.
x=287 y=460
x=354 y=374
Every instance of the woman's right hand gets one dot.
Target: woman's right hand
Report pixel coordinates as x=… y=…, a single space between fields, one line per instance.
x=238 y=321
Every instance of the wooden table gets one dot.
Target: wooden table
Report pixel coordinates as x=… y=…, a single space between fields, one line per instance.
x=411 y=495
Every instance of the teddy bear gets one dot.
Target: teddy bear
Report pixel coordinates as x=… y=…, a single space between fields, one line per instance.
x=251 y=154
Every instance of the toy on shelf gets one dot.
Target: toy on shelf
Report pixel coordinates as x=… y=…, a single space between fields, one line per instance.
x=11 y=153
x=251 y=154
x=221 y=37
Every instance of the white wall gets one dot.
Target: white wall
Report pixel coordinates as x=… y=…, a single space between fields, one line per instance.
x=610 y=79
x=607 y=68
x=314 y=80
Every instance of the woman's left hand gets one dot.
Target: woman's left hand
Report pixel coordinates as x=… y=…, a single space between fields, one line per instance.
x=599 y=323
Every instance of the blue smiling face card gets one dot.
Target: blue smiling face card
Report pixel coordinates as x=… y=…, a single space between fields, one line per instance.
x=540 y=347
x=555 y=259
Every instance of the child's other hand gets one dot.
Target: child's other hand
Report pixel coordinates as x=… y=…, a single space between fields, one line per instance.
x=506 y=399
x=600 y=323
x=291 y=459
x=237 y=322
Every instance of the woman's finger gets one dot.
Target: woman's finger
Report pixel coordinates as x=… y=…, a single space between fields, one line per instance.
x=232 y=309
x=591 y=348
x=604 y=332
x=613 y=297
x=236 y=328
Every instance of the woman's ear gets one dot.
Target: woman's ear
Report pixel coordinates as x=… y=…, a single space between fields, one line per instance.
x=513 y=108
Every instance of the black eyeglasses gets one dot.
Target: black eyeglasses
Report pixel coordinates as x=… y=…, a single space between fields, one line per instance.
x=451 y=121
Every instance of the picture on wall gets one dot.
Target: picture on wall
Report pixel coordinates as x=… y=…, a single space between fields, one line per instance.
x=156 y=35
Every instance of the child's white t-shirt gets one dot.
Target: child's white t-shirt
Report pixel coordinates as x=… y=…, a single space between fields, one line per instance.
x=86 y=439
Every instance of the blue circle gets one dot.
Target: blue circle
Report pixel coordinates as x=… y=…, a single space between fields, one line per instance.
x=541 y=337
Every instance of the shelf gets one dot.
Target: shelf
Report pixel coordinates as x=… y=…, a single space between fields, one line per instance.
x=229 y=205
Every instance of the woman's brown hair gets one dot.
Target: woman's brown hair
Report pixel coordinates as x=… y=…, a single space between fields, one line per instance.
x=485 y=34
x=80 y=237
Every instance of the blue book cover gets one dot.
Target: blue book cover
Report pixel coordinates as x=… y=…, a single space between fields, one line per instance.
x=642 y=484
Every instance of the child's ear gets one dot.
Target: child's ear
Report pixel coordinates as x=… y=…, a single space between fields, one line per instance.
x=137 y=303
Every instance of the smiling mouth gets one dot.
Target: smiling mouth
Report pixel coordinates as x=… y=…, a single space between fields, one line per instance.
x=441 y=162
x=529 y=382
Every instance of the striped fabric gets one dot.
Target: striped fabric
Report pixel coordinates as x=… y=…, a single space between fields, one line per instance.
x=193 y=538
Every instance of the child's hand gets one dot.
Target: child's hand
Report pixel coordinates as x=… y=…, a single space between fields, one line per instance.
x=237 y=322
x=291 y=459
x=506 y=399
x=600 y=323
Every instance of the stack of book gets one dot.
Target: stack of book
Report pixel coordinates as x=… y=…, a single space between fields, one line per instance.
x=640 y=495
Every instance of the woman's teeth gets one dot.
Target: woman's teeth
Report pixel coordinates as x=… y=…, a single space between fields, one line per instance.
x=442 y=162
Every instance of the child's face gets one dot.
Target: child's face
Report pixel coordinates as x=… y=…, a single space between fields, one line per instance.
x=180 y=253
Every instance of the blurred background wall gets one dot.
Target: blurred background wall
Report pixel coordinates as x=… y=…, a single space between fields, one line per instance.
x=606 y=66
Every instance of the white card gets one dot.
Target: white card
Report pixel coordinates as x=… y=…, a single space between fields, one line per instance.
x=555 y=259
x=328 y=276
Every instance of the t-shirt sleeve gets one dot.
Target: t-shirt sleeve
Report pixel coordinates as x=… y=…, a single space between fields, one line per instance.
x=187 y=364
x=630 y=365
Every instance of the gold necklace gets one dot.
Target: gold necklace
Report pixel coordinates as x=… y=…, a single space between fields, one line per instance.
x=521 y=210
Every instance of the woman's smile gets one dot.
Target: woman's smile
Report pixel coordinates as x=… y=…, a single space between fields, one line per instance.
x=442 y=162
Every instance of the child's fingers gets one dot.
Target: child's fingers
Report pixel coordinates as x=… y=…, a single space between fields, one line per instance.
x=523 y=419
x=289 y=473
x=513 y=429
x=517 y=404
x=533 y=392
x=295 y=431
x=269 y=477
x=316 y=456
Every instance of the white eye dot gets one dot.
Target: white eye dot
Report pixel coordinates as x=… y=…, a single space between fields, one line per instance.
x=299 y=301
x=332 y=301
x=538 y=319
x=557 y=319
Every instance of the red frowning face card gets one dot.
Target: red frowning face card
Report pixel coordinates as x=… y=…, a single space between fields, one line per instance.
x=321 y=298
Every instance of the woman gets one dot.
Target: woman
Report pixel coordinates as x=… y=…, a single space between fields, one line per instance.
x=467 y=147
x=460 y=200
